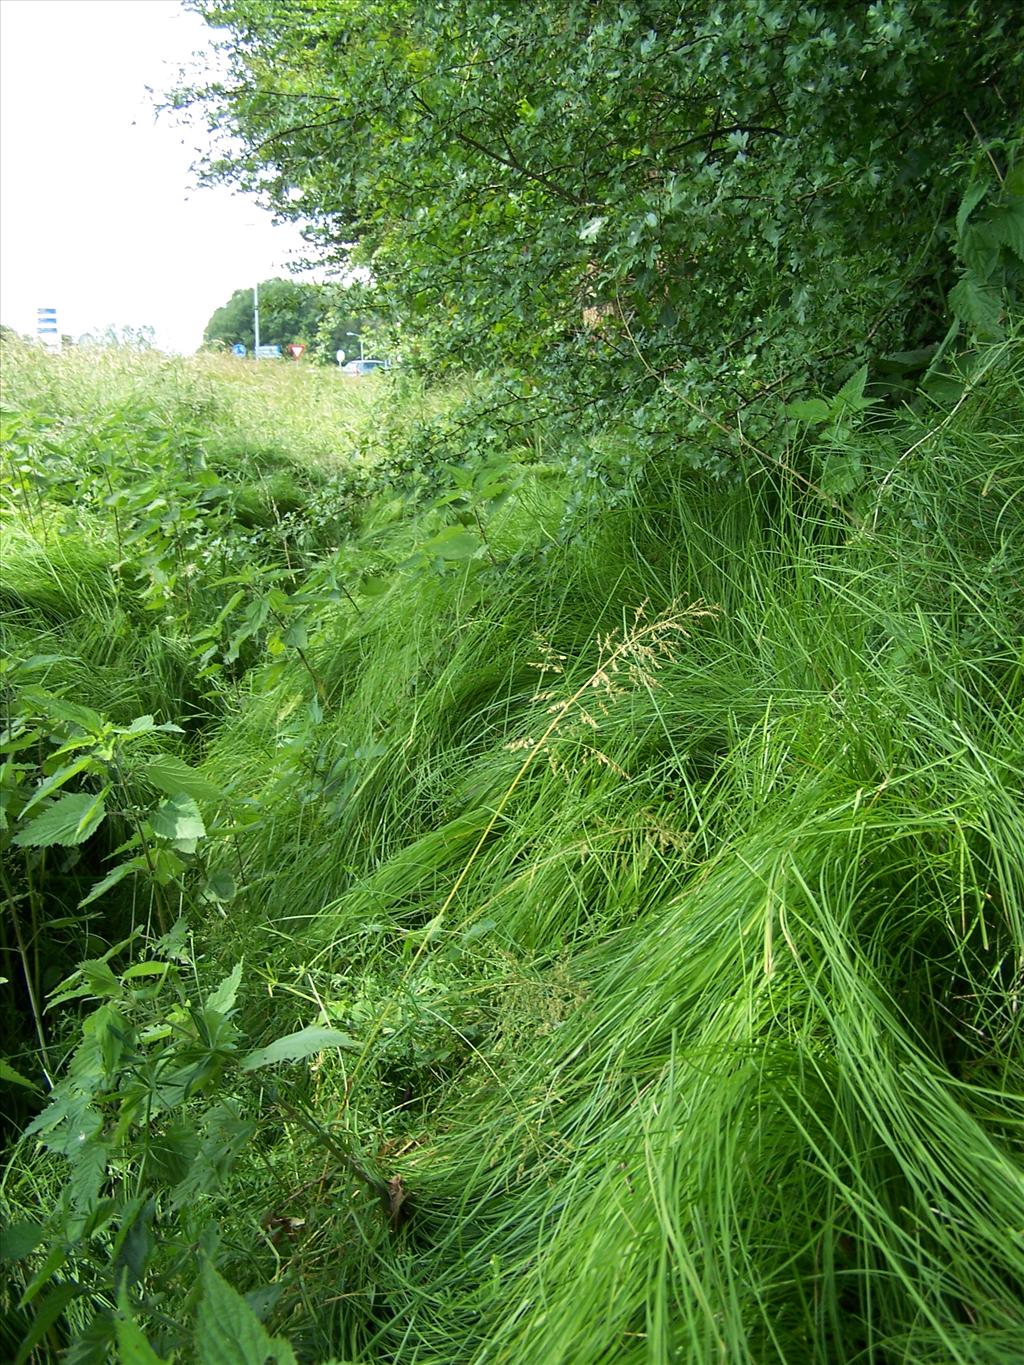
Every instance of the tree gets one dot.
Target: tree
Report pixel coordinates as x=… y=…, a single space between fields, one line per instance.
x=744 y=197
x=141 y=338
x=290 y=311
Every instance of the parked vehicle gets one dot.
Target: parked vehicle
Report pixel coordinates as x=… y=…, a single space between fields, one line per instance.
x=366 y=366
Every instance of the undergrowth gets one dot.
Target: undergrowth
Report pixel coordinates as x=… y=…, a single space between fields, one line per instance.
x=545 y=939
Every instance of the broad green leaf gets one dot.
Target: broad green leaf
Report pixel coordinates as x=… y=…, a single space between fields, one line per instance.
x=454 y=543
x=18 y=1240
x=976 y=302
x=70 y=820
x=223 y=998
x=175 y=777
x=219 y=887
x=228 y=1332
x=178 y=819
x=812 y=410
x=295 y=635
x=56 y=780
x=1008 y=226
x=297 y=1046
x=141 y=725
x=852 y=392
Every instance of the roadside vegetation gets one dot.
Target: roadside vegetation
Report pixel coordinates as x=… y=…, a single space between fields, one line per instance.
x=530 y=867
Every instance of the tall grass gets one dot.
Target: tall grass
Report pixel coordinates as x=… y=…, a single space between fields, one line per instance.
x=669 y=875
x=701 y=1037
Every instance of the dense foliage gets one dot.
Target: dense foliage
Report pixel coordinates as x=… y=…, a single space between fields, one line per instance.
x=738 y=198
x=290 y=311
x=478 y=889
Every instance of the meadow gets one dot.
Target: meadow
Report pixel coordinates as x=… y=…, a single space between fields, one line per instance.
x=456 y=916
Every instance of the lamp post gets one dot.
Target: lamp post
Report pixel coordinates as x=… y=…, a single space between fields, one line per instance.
x=256 y=318
x=358 y=338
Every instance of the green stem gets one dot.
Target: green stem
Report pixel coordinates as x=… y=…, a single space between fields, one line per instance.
x=29 y=983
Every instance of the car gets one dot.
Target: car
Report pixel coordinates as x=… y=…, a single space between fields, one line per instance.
x=366 y=366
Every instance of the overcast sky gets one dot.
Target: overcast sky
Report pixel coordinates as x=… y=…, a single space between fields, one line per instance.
x=98 y=214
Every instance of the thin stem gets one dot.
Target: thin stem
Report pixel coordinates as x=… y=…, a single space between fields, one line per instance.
x=29 y=983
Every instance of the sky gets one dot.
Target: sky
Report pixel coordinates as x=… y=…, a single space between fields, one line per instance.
x=99 y=214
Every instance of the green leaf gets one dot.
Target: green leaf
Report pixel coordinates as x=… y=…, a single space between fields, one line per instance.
x=975 y=302
x=219 y=887
x=115 y=875
x=8 y=1073
x=975 y=194
x=812 y=410
x=19 y=1240
x=70 y=820
x=454 y=543
x=56 y=780
x=47 y=1314
x=141 y=725
x=132 y=1346
x=175 y=777
x=852 y=392
x=295 y=635
x=297 y=1046
x=178 y=819
x=223 y=998
x=228 y=1332
x=1007 y=226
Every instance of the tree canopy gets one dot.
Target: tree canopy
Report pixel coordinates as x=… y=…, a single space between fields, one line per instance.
x=743 y=198
x=290 y=311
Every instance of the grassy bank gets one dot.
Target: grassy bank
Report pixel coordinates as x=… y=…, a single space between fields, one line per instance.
x=654 y=881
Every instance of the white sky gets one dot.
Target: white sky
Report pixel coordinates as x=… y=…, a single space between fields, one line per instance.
x=99 y=216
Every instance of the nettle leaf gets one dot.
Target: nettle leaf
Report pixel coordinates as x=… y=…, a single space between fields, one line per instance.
x=228 y=1332
x=1007 y=225
x=175 y=777
x=223 y=998
x=811 y=410
x=219 y=887
x=296 y=1047
x=178 y=819
x=18 y=1240
x=974 y=301
x=70 y=820
x=852 y=392
x=56 y=780
x=116 y=874
x=454 y=543
x=973 y=197
x=132 y=1346
x=8 y=1073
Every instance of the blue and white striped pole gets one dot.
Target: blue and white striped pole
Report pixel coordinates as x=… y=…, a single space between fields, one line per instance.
x=46 y=328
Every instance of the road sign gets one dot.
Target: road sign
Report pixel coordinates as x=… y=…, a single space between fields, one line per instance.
x=340 y=356
x=268 y=353
x=297 y=348
x=46 y=327
x=238 y=349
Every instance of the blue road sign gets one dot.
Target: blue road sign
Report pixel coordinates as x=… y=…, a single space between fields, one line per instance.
x=238 y=348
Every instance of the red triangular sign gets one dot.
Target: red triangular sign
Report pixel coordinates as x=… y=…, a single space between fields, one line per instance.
x=296 y=348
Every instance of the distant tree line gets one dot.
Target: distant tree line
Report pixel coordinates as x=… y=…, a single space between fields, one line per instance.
x=321 y=317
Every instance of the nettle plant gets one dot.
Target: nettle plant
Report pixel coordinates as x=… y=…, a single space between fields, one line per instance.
x=157 y=1103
